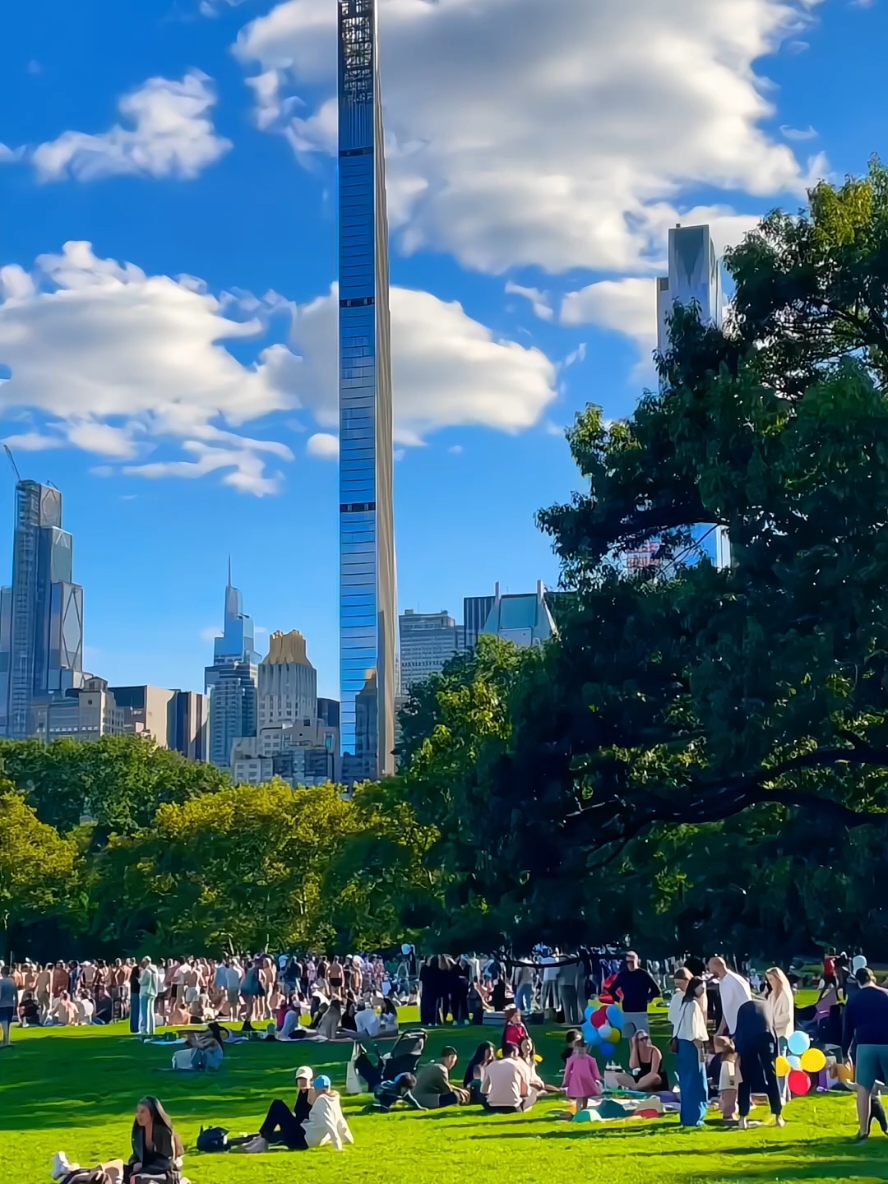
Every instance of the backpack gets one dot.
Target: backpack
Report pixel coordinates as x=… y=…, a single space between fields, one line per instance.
x=214 y=1138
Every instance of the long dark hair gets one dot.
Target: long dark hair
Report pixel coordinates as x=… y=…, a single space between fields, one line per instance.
x=480 y=1057
x=693 y=986
x=160 y=1122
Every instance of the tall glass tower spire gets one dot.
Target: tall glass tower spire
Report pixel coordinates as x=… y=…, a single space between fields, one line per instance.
x=367 y=603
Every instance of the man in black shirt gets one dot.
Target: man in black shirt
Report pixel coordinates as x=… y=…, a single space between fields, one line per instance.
x=866 y=1027
x=636 y=988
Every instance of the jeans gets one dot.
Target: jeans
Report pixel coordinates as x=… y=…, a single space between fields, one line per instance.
x=146 y=1015
x=571 y=1005
x=524 y=997
x=692 y=1083
x=134 y=1013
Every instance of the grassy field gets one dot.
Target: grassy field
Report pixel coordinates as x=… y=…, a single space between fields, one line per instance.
x=76 y=1089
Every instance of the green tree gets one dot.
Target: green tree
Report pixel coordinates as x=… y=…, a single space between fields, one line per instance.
x=37 y=866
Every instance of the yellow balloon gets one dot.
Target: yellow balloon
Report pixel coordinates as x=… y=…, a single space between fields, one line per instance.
x=499 y=1054
x=539 y=1059
x=783 y=1067
x=813 y=1060
x=615 y=1036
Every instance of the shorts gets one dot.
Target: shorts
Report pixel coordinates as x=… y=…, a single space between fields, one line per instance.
x=871 y=1065
x=6 y=1015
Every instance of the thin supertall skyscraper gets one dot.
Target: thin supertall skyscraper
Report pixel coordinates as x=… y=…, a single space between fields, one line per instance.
x=231 y=681
x=367 y=606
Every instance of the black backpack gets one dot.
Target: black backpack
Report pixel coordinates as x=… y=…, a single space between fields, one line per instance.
x=214 y=1138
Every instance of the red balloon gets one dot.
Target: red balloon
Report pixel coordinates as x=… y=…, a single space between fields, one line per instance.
x=599 y=1018
x=605 y=998
x=799 y=1082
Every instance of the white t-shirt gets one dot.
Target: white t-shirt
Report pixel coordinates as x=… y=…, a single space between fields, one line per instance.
x=675 y=1010
x=367 y=1022
x=734 y=992
x=503 y=1081
x=87 y=1010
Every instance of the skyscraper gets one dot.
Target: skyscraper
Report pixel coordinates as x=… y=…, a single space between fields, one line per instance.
x=428 y=642
x=231 y=681
x=288 y=683
x=41 y=615
x=476 y=610
x=523 y=618
x=366 y=531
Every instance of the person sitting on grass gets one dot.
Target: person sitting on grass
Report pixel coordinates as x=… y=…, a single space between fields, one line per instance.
x=514 y=1030
x=474 y=1075
x=647 y=1073
x=388 y=1094
x=283 y=1125
x=505 y=1087
x=388 y=1019
x=157 y=1152
x=64 y=1011
x=29 y=1011
x=434 y=1089
x=528 y=1052
x=326 y=1122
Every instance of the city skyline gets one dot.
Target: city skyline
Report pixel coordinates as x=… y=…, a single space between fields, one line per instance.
x=185 y=363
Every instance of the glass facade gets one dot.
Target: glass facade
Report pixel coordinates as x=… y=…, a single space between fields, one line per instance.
x=231 y=681
x=366 y=533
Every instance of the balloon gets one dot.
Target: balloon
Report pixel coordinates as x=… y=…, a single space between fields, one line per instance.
x=615 y=1036
x=794 y=1063
x=844 y=1074
x=590 y=1012
x=605 y=1032
x=499 y=1054
x=799 y=1042
x=600 y=1018
x=605 y=998
x=783 y=1067
x=590 y=1034
x=615 y=1016
x=405 y=949
x=799 y=1083
x=537 y=1058
x=813 y=1060
x=858 y=962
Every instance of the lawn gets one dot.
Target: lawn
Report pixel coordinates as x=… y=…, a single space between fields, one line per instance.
x=76 y=1089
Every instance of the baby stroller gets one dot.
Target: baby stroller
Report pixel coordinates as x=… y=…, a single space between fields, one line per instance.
x=403 y=1058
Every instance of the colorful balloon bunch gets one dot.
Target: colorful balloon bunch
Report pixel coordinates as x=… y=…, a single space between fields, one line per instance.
x=604 y=1025
x=800 y=1061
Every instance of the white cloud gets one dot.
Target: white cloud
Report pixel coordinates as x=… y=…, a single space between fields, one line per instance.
x=120 y=364
x=627 y=306
x=171 y=135
x=539 y=300
x=576 y=355
x=323 y=446
x=798 y=133
x=447 y=369
x=456 y=449
x=558 y=134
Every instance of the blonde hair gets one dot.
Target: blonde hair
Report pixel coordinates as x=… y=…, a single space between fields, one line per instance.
x=776 y=972
x=725 y=1046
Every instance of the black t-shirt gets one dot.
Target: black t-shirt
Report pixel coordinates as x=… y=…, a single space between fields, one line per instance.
x=866 y=1018
x=638 y=989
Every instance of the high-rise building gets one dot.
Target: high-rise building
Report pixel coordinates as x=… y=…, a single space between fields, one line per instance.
x=366 y=530
x=428 y=642
x=476 y=610
x=231 y=682
x=189 y=724
x=288 y=683
x=694 y=278
x=88 y=712
x=523 y=618
x=41 y=615
x=172 y=719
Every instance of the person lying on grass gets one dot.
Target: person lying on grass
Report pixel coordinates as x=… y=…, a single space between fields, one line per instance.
x=156 y=1153
x=389 y=1094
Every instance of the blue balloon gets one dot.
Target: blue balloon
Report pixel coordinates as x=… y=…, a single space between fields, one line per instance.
x=590 y=1011
x=615 y=1017
x=793 y=1062
x=799 y=1042
x=590 y=1034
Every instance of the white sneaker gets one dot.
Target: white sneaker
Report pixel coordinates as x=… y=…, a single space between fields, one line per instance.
x=743 y=1124
x=61 y=1167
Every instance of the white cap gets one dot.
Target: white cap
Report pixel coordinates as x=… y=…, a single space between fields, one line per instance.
x=858 y=963
x=304 y=1072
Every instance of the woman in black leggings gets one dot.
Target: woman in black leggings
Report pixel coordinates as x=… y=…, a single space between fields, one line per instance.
x=756 y=1044
x=283 y=1125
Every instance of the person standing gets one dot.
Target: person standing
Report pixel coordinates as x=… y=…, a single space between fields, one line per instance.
x=134 y=1014
x=756 y=1043
x=637 y=988
x=681 y=978
x=691 y=1036
x=8 y=1001
x=865 y=1029
x=149 y=989
x=522 y=986
x=733 y=991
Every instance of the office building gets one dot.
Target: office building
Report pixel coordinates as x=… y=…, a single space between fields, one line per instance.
x=231 y=682
x=172 y=719
x=476 y=610
x=328 y=712
x=189 y=725
x=366 y=530
x=522 y=618
x=88 y=712
x=306 y=753
x=41 y=615
x=694 y=278
x=288 y=683
x=428 y=642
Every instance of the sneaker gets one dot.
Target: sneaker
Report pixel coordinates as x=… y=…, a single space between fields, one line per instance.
x=257 y=1147
x=743 y=1124
x=779 y=1120
x=61 y=1167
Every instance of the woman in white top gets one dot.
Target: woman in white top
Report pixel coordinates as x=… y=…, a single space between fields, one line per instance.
x=691 y=1036
x=783 y=1010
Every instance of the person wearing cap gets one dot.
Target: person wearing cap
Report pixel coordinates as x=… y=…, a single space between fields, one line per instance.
x=326 y=1122
x=283 y=1125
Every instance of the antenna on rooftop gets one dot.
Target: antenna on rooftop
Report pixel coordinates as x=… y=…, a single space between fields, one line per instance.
x=8 y=452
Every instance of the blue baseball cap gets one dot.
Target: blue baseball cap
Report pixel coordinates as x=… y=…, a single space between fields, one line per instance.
x=322 y=1082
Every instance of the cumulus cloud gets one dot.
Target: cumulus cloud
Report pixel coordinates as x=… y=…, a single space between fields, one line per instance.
x=557 y=134
x=447 y=369
x=167 y=132
x=627 y=306
x=122 y=365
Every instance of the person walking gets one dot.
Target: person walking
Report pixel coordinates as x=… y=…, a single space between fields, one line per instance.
x=756 y=1043
x=637 y=988
x=690 y=1039
x=865 y=1029
x=733 y=991
x=149 y=989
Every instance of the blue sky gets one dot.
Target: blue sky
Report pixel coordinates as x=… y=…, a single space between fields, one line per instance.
x=176 y=379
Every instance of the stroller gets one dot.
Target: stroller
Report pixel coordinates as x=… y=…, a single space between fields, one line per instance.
x=403 y=1058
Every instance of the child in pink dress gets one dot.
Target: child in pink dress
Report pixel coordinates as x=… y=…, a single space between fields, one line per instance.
x=582 y=1079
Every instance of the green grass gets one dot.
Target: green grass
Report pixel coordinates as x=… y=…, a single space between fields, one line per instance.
x=76 y=1089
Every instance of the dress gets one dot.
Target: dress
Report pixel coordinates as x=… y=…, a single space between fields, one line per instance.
x=581 y=1077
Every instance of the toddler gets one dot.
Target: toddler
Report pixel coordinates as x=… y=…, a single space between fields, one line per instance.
x=582 y=1079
